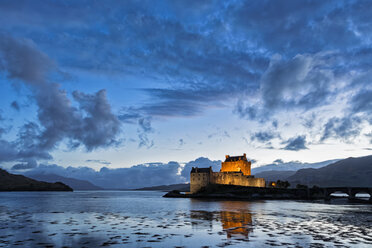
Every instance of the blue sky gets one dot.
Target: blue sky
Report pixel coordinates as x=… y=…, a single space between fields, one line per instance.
x=120 y=83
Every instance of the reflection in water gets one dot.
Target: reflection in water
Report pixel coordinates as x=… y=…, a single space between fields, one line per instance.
x=145 y=219
x=234 y=216
x=236 y=223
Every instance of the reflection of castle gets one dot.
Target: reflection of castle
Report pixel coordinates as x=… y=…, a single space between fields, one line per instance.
x=235 y=223
x=234 y=171
x=234 y=216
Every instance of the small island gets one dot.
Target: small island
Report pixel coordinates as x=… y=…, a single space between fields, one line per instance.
x=11 y=182
x=234 y=181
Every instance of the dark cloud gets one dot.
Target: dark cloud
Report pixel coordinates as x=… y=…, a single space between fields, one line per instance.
x=362 y=102
x=91 y=124
x=249 y=112
x=171 y=44
x=296 y=143
x=30 y=164
x=143 y=131
x=302 y=82
x=344 y=128
x=129 y=115
x=99 y=127
x=21 y=60
x=140 y=117
x=144 y=140
x=299 y=27
x=145 y=124
x=271 y=56
x=137 y=176
x=15 y=105
x=8 y=151
x=263 y=136
x=274 y=123
x=195 y=64
x=309 y=122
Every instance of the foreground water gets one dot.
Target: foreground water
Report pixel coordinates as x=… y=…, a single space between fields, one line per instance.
x=145 y=219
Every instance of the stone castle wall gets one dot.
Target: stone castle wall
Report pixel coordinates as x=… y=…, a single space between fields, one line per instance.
x=236 y=179
x=236 y=166
x=199 y=180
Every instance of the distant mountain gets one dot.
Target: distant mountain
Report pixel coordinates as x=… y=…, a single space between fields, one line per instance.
x=356 y=172
x=76 y=184
x=274 y=176
x=183 y=187
x=11 y=182
x=291 y=166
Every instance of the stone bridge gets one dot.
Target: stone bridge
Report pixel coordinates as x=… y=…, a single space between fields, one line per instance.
x=350 y=191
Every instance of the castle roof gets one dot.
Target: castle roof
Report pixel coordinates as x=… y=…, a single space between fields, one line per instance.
x=201 y=170
x=235 y=158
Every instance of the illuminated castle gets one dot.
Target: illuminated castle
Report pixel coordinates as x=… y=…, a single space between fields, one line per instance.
x=234 y=171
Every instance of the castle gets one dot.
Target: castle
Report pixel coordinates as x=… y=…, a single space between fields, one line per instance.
x=234 y=171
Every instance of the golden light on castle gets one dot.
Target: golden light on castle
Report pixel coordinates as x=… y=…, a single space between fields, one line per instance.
x=235 y=170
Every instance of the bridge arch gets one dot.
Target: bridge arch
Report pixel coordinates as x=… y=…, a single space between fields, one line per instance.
x=352 y=192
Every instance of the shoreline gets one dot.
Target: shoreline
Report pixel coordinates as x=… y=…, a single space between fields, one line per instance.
x=231 y=192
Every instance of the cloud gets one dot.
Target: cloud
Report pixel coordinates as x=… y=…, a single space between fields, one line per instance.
x=15 y=105
x=30 y=164
x=137 y=176
x=98 y=161
x=143 y=131
x=362 y=102
x=297 y=27
x=187 y=52
x=263 y=136
x=296 y=143
x=8 y=151
x=91 y=124
x=100 y=127
x=20 y=59
x=302 y=82
x=200 y=162
x=344 y=128
x=145 y=124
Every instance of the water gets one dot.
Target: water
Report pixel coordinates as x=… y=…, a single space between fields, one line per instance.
x=145 y=219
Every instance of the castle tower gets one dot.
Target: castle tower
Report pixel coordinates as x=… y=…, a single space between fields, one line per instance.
x=199 y=178
x=237 y=164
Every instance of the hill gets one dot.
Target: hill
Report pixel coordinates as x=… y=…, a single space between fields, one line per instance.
x=291 y=166
x=356 y=172
x=183 y=187
x=76 y=184
x=11 y=182
x=273 y=175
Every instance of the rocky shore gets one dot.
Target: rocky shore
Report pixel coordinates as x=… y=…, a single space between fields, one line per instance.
x=215 y=191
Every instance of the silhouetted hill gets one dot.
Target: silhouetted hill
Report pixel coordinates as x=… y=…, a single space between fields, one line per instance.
x=275 y=175
x=356 y=172
x=76 y=184
x=11 y=182
x=183 y=187
x=291 y=166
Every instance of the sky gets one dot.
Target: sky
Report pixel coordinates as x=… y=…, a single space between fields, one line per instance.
x=119 y=84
